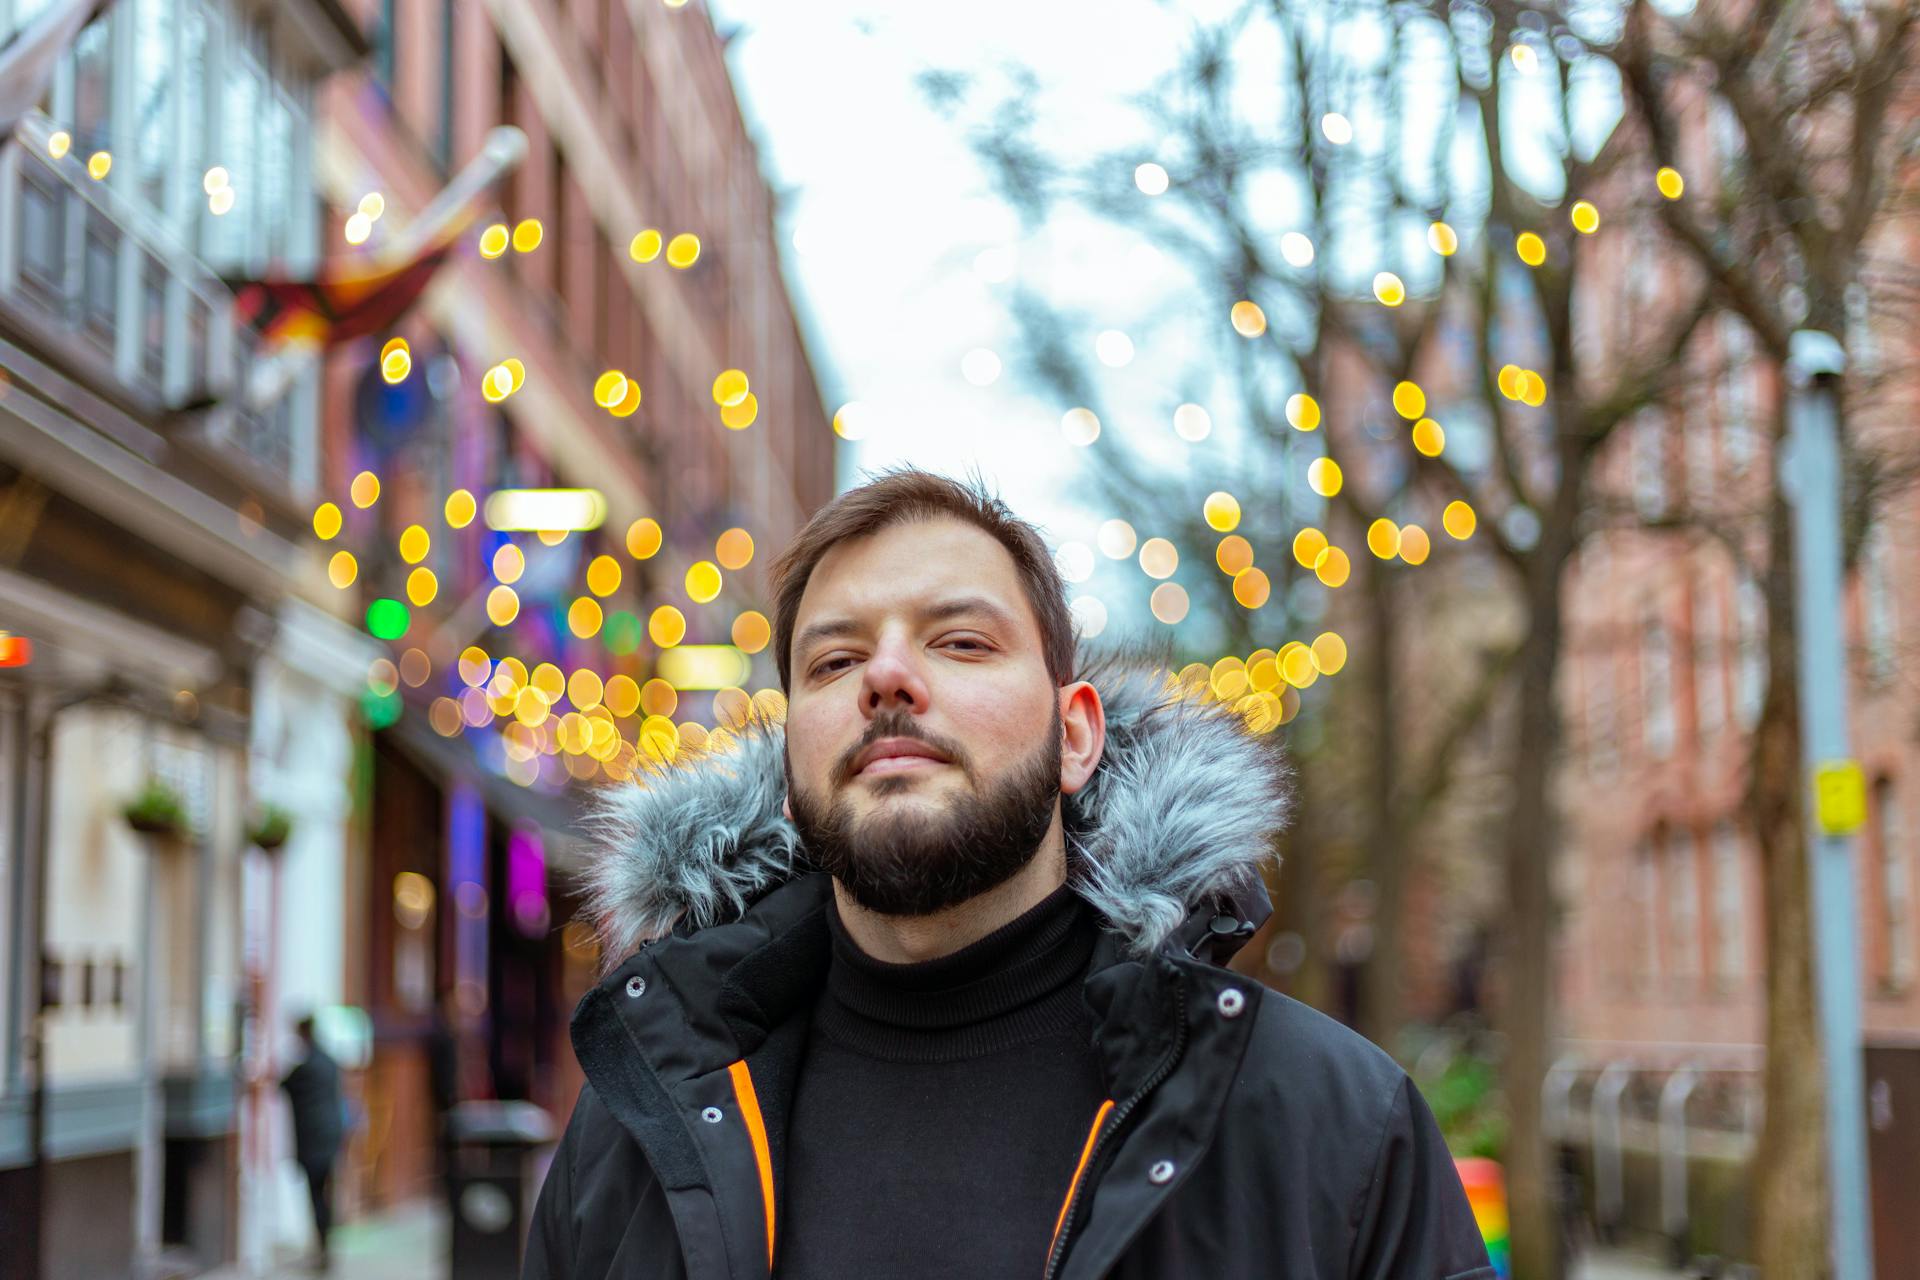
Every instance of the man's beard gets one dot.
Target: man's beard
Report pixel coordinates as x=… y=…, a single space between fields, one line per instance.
x=917 y=863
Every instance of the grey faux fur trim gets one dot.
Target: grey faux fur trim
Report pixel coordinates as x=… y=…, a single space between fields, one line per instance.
x=1185 y=804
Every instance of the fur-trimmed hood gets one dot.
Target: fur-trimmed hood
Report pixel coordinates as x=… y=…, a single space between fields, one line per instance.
x=1182 y=808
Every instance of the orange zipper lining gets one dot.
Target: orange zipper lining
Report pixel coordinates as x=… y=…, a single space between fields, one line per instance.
x=757 y=1134
x=1086 y=1153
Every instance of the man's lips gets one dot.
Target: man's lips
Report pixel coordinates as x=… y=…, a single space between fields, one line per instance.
x=896 y=755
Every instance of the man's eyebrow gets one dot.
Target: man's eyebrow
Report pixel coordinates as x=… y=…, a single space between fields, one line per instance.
x=830 y=628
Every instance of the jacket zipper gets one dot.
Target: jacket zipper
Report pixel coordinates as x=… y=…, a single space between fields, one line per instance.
x=1119 y=1118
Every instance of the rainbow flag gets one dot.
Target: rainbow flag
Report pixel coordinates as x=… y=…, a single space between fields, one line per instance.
x=1486 y=1188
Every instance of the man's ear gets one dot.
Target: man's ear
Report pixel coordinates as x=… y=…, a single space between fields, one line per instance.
x=1083 y=734
x=786 y=807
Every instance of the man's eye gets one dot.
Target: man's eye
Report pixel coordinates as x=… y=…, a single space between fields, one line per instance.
x=827 y=666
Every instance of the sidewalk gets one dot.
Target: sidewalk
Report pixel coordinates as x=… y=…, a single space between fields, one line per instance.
x=407 y=1244
x=1616 y=1264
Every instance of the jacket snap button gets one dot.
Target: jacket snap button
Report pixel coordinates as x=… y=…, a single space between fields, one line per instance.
x=1161 y=1173
x=636 y=985
x=1231 y=1002
x=711 y=1115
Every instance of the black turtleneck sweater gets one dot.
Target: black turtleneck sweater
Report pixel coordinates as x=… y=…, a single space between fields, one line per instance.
x=942 y=1107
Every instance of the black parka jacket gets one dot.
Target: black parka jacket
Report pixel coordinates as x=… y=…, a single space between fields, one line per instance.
x=1246 y=1134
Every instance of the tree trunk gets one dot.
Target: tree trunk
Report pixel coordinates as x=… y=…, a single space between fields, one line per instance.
x=1526 y=974
x=1387 y=844
x=1791 y=1193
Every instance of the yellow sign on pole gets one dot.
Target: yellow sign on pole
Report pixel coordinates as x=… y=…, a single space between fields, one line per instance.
x=1839 y=797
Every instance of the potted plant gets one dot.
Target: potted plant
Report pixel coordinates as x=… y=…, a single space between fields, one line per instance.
x=269 y=828
x=157 y=810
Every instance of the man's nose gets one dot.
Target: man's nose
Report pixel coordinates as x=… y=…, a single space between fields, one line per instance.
x=893 y=679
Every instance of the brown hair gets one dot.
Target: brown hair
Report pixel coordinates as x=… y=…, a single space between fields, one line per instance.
x=904 y=494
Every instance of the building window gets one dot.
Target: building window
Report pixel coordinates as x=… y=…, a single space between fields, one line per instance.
x=152 y=88
x=1708 y=690
x=1882 y=614
x=1729 y=936
x=1736 y=393
x=1753 y=651
x=1650 y=464
x=1656 y=694
x=1896 y=898
x=1683 y=902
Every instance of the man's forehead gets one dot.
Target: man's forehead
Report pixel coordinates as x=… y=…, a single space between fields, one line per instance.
x=911 y=566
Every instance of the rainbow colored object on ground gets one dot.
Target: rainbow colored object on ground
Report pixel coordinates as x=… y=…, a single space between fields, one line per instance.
x=1486 y=1188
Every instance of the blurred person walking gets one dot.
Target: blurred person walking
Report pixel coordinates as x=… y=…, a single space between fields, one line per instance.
x=319 y=1127
x=930 y=981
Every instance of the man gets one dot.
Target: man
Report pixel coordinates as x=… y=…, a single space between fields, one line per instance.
x=953 y=1008
x=313 y=1093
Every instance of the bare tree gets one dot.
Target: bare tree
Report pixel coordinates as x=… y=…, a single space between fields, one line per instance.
x=1808 y=111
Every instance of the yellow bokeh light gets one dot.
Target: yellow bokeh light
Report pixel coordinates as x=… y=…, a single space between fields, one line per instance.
x=396 y=365
x=584 y=617
x=1671 y=184
x=1158 y=558
x=59 y=142
x=1169 y=602
x=342 y=569
x=1442 y=239
x=1248 y=320
x=1414 y=544
x=358 y=227
x=667 y=626
x=444 y=716
x=1263 y=672
x=460 y=509
x=770 y=705
x=1428 y=437
x=1222 y=511
x=1409 y=401
x=509 y=562
x=658 y=698
x=1251 y=588
x=220 y=202
x=1307 y=546
x=1586 y=218
x=1329 y=653
x=603 y=576
x=629 y=401
x=1459 y=520
x=609 y=388
x=530 y=708
x=1531 y=248
x=549 y=681
x=683 y=250
x=643 y=538
x=1383 y=538
x=732 y=707
x=1296 y=664
x=1233 y=554
x=729 y=387
x=527 y=235
x=703 y=581
x=1533 y=390
x=751 y=631
x=645 y=247
x=733 y=549
x=422 y=586
x=475 y=666
x=373 y=204
x=98 y=164
x=584 y=688
x=503 y=605
x=1227 y=678
x=622 y=696
x=1510 y=380
x=1303 y=411
x=494 y=240
x=365 y=489
x=414 y=544
x=1332 y=567
x=326 y=521
x=739 y=417
x=1323 y=477
x=1389 y=289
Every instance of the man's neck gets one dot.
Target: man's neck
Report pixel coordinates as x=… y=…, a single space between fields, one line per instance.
x=912 y=939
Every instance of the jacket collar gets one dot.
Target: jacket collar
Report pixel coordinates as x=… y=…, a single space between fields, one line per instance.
x=1176 y=821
